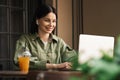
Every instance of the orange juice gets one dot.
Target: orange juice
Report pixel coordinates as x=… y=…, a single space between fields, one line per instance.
x=24 y=63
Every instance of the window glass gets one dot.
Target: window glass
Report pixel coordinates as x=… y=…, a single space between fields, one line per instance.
x=17 y=20
x=3 y=2
x=17 y=3
x=4 y=46
x=3 y=19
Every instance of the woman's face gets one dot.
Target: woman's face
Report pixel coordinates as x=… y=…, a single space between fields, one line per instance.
x=47 y=24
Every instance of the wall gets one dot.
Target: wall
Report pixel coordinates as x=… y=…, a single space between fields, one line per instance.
x=101 y=17
x=65 y=20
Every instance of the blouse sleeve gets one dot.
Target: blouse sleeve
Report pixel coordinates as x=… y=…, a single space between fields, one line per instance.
x=68 y=54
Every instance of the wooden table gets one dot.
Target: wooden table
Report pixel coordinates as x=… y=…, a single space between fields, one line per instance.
x=41 y=75
x=12 y=74
x=52 y=75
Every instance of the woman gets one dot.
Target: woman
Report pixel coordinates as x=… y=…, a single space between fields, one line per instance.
x=47 y=50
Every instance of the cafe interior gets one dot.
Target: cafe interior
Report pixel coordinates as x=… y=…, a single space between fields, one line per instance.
x=75 y=17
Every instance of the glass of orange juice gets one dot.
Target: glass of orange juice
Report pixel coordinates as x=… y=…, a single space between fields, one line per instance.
x=24 y=63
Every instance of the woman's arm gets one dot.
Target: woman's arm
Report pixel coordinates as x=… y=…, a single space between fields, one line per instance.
x=62 y=66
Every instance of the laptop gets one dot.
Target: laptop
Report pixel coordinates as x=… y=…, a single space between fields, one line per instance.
x=92 y=46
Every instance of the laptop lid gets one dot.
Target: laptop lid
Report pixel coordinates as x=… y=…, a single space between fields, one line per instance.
x=90 y=46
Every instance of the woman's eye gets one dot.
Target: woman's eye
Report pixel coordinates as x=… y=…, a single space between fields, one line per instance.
x=54 y=20
x=47 y=20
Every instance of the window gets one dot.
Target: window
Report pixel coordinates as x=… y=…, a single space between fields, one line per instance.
x=13 y=22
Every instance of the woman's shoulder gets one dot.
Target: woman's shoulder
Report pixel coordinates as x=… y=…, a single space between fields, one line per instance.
x=27 y=36
x=57 y=38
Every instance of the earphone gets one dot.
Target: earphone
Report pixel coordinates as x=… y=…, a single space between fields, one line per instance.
x=37 y=22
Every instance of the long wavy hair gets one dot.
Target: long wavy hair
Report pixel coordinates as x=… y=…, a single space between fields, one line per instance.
x=41 y=12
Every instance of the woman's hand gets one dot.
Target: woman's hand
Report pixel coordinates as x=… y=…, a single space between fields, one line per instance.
x=65 y=65
x=61 y=66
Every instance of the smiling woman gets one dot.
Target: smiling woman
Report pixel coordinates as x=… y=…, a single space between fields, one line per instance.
x=48 y=51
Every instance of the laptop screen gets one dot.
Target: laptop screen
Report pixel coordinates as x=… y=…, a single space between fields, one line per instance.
x=90 y=46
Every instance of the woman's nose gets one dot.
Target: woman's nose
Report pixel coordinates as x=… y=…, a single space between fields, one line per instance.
x=51 y=23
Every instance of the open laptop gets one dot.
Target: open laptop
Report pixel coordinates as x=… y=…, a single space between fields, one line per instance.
x=90 y=46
